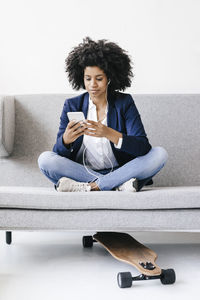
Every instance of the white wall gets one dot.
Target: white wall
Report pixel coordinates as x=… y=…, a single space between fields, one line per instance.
x=162 y=37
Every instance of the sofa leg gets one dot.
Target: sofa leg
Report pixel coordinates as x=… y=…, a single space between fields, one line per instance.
x=8 y=237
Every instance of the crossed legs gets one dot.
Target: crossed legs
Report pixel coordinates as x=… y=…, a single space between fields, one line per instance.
x=54 y=166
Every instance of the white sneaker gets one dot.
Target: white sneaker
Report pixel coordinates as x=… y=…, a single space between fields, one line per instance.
x=128 y=186
x=69 y=185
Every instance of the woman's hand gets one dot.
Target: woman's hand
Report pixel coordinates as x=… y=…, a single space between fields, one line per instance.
x=89 y=127
x=96 y=129
x=73 y=130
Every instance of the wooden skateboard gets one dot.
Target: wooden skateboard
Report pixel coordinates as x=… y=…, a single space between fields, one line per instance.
x=125 y=248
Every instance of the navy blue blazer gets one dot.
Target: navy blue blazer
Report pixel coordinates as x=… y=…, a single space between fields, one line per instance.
x=122 y=116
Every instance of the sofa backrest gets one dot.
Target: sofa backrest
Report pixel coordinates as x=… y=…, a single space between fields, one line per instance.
x=171 y=121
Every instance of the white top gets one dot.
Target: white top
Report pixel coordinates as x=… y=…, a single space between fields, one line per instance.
x=98 y=149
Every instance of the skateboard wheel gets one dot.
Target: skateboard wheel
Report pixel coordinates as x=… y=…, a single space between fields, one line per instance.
x=168 y=276
x=124 y=279
x=87 y=241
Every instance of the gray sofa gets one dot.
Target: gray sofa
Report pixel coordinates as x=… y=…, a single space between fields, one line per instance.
x=28 y=200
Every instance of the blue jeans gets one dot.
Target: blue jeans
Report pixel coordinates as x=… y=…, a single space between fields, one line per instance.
x=54 y=166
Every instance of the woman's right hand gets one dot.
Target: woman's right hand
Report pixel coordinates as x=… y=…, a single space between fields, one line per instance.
x=72 y=132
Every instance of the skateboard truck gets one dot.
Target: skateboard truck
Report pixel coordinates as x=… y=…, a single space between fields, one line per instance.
x=144 y=277
x=148 y=265
x=125 y=279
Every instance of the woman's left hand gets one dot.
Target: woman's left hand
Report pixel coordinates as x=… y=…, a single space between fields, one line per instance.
x=96 y=129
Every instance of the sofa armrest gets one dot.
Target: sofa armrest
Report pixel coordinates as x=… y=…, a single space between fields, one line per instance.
x=7 y=125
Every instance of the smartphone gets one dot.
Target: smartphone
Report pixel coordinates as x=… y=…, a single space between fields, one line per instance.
x=76 y=116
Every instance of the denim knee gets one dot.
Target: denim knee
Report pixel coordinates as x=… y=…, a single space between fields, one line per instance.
x=43 y=159
x=162 y=154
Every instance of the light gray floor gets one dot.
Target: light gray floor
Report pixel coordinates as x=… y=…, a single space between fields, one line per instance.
x=53 y=265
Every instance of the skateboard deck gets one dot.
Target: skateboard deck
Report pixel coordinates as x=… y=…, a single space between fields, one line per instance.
x=125 y=248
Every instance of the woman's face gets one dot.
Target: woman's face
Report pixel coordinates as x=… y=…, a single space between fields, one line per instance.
x=95 y=81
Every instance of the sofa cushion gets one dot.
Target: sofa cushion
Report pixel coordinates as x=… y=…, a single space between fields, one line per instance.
x=147 y=199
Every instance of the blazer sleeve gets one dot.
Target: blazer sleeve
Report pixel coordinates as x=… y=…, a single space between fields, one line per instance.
x=60 y=147
x=135 y=141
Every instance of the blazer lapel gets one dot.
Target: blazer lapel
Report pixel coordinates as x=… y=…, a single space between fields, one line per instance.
x=112 y=113
x=85 y=104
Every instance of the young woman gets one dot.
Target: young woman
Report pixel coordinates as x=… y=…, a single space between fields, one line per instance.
x=110 y=150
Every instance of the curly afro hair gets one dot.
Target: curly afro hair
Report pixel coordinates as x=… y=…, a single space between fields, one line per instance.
x=108 y=56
